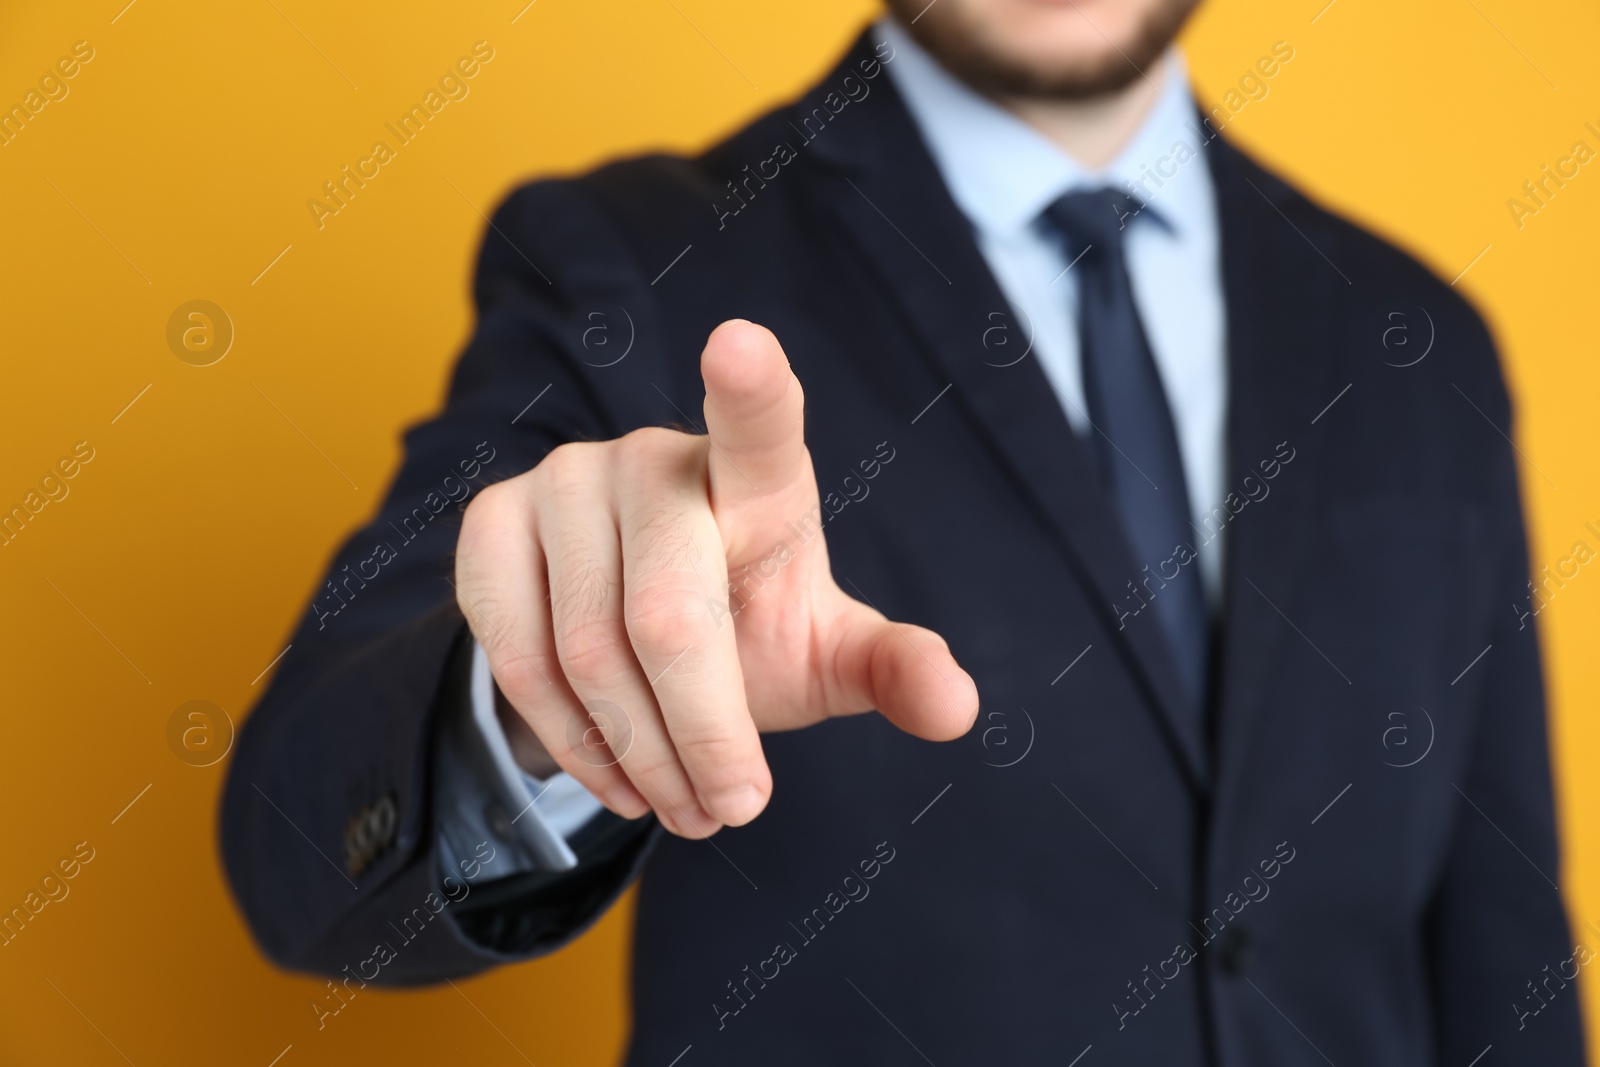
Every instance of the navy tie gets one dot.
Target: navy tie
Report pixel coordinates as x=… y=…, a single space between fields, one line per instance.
x=1133 y=440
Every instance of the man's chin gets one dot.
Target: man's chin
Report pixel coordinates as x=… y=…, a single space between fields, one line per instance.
x=1082 y=70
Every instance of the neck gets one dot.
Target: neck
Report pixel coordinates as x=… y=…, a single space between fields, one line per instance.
x=1093 y=131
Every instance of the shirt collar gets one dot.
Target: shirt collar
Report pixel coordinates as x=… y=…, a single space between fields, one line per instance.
x=1003 y=173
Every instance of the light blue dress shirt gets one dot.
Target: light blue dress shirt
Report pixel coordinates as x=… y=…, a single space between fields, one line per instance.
x=1002 y=174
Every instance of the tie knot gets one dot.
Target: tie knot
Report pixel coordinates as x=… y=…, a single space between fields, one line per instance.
x=1094 y=217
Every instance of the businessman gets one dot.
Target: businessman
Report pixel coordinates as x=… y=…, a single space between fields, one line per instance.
x=1009 y=578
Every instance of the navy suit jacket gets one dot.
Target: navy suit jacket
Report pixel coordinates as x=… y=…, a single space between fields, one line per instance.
x=1354 y=863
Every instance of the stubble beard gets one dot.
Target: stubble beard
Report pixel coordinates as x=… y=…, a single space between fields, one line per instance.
x=960 y=44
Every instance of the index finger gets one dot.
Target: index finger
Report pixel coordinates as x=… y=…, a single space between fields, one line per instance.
x=755 y=415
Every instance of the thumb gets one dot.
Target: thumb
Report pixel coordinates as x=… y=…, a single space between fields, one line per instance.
x=755 y=417
x=906 y=672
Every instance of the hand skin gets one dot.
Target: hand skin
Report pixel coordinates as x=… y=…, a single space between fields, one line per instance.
x=597 y=583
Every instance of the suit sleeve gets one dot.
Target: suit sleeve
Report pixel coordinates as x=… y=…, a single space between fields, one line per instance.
x=328 y=836
x=1500 y=947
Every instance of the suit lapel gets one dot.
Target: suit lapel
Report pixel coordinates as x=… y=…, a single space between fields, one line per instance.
x=883 y=187
x=1278 y=288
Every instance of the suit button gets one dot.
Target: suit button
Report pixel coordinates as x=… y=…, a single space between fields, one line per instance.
x=1235 y=954
x=385 y=818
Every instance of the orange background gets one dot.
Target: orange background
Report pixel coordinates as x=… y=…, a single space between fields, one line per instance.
x=178 y=168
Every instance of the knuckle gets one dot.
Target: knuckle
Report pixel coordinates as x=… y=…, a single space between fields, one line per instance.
x=488 y=510
x=664 y=617
x=719 y=760
x=653 y=444
x=652 y=458
x=592 y=654
x=603 y=736
x=521 y=679
x=658 y=771
x=576 y=757
x=484 y=502
x=569 y=469
x=671 y=795
x=586 y=754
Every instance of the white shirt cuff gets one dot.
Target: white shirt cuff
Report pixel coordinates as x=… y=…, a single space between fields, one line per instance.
x=561 y=805
x=482 y=795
